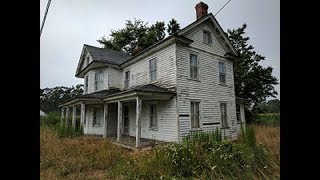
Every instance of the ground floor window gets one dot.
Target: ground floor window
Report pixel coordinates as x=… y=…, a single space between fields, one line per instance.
x=195 y=116
x=223 y=112
x=97 y=116
x=153 y=116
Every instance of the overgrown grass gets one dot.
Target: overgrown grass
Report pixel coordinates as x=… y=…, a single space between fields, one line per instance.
x=253 y=156
x=267 y=119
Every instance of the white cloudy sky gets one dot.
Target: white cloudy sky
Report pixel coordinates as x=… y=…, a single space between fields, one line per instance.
x=72 y=23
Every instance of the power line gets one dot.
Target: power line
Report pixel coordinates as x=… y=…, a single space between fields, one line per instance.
x=45 y=16
x=222 y=7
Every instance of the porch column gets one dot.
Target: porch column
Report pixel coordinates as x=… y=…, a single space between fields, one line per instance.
x=119 y=129
x=62 y=116
x=67 y=116
x=242 y=116
x=105 y=120
x=74 y=114
x=138 y=122
x=82 y=114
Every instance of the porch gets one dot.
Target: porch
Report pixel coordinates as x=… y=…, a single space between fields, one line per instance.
x=117 y=116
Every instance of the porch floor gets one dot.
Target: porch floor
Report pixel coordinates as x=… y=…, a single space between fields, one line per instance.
x=128 y=142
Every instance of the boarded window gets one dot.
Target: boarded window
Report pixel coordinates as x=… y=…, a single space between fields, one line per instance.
x=127 y=80
x=86 y=84
x=223 y=111
x=222 y=73
x=195 y=116
x=153 y=69
x=153 y=116
x=87 y=60
x=98 y=81
x=193 y=66
x=97 y=116
x=207 y=39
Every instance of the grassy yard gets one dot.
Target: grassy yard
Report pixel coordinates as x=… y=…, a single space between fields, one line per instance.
x=80 y=158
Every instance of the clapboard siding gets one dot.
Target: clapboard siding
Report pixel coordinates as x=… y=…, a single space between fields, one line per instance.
x=167 y=120
x=115 y=78
x=206 y=90
x=196 y=35
x=88 y=127
x=166 y=69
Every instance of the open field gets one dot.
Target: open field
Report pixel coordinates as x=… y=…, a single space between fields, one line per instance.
x=82 y=158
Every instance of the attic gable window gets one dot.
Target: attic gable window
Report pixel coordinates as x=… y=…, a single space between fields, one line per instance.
x=87 y=60
x=193 y=66
x=222 y=73
x=98 y=81
x=207 y=37
x=153 y=69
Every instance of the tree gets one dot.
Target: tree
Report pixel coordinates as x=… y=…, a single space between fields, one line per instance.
x=272 y=106
x=252 y=81
x=50 y=98
x=173 y=26
x=135 y=35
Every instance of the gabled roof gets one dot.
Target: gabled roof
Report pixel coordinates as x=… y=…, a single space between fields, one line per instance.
x=106 y=55
x=217 y=28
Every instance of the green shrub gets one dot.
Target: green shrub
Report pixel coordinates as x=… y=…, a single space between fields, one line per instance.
x=272 y=119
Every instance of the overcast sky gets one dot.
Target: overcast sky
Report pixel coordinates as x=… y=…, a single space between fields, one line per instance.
x=72 y=23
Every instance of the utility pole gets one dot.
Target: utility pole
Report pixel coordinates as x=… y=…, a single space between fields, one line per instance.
x=45 y=16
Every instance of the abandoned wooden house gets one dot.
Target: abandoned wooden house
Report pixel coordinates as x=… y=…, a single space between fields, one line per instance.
x=181 y=84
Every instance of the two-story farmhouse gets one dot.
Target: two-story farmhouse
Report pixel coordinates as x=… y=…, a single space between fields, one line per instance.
x=181 y=84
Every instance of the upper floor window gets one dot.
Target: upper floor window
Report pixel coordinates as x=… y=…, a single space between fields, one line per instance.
x=195 y=115
x=193 y=66
x=127 y=79
x=97 y=116
x=207 y=37
x=153 y=69
x=222 y=73
x=98 y=81
x=223 y=112
x=153 y=116
x=86 y=84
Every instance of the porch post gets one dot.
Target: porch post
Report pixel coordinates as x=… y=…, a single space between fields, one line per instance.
x=74 y=114
x=119 y=129
x=242 y=116
x=62 y=116
x=67 y=116
x=105 y=120
x=138 y=122
x=82 y=114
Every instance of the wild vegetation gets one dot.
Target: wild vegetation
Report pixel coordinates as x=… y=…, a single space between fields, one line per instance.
x=256 y=155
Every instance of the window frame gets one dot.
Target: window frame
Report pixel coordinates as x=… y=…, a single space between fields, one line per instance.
x=238 y=113
x=151 y=127
x=153 y=71
x=191 y=114
x=95 y=115
x=127 y=81
x=96 y=82
x=191 y=66
x=224 y=74
x=86 y=82
x=87 y=60
x=224 y=125
x=208 y=39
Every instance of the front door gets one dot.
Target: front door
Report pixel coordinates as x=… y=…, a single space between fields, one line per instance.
x=126 y=119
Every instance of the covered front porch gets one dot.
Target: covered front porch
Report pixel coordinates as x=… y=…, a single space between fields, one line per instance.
x=118 y=115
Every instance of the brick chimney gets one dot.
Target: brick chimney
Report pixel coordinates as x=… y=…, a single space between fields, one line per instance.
x=201 y=9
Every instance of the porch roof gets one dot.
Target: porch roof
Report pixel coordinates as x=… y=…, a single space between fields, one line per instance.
x=105 y=95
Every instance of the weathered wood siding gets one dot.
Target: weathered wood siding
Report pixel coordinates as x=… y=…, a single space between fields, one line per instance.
x=196 y=35
x=167 y=120
x=84 y=61
x=88 y=127
x=166 y=76
x=207 y=89
x=91 y=79
x=115 y=78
